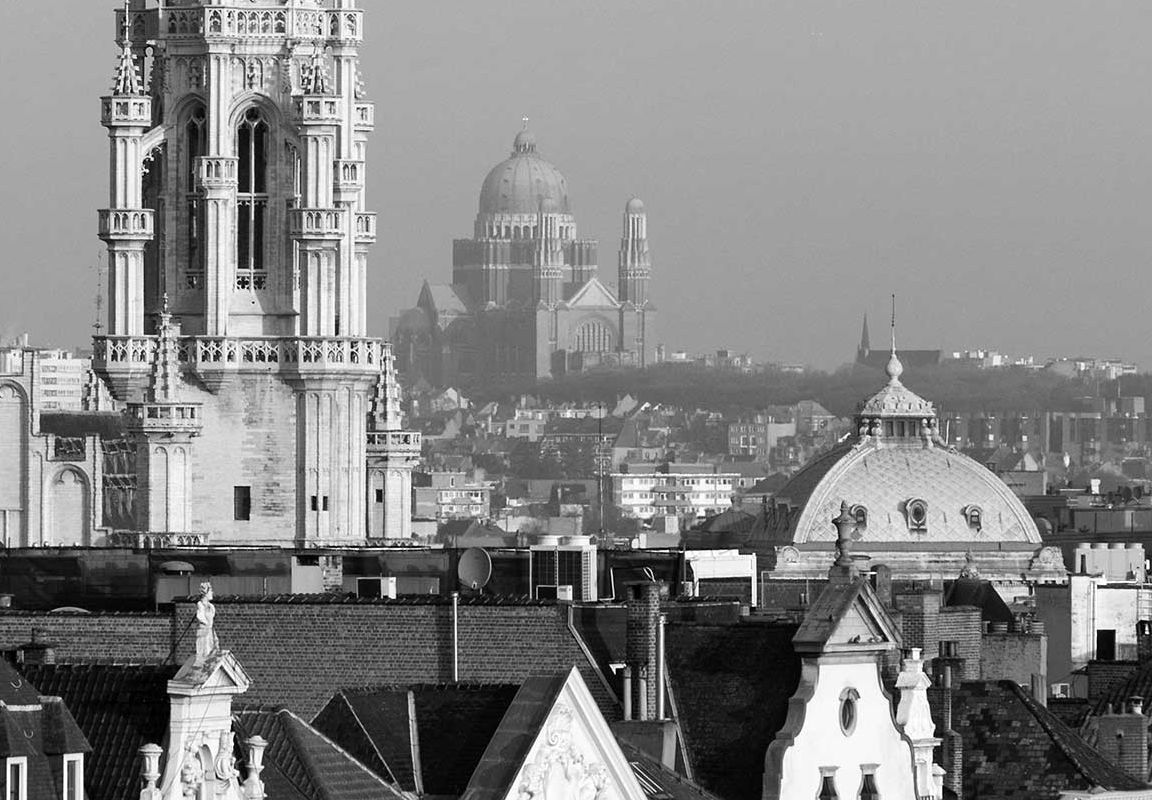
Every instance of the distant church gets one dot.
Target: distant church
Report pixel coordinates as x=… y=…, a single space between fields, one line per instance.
x=525 y=301
x=878 y=359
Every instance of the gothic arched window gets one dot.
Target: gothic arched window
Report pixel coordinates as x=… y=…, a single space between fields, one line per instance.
x=195 y=145
x=251 y=199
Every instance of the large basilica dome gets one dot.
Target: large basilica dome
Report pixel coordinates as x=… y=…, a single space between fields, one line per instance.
x=518 y=184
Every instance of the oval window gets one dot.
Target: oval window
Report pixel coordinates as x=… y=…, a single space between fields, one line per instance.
x=847 y=715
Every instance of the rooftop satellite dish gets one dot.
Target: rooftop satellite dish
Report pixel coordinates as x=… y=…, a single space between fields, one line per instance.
x=475 y=568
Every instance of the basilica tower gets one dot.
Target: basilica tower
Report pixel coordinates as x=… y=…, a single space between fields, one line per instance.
x=238 y=138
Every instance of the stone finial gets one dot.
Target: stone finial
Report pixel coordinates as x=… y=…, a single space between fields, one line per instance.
x=253 y=786
x=969 y=570
x=845 y=525
x=206 y=642
x=150 y=771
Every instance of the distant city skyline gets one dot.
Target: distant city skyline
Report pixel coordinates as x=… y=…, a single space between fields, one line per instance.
x=799 y=162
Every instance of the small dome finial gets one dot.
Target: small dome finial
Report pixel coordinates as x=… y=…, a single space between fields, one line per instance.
x=525 y=141
x=894 y=369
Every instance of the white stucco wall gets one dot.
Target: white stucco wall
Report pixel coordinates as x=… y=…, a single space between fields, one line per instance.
x=812 y=738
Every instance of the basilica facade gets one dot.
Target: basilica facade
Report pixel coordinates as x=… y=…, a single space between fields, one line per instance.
x=526 y=301
x=248 y=403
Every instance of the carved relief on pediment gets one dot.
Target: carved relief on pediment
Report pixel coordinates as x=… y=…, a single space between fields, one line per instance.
x=561 y=769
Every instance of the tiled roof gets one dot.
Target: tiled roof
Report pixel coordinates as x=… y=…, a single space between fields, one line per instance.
x=1014 y=747
x=301 y=762
x=453 y=724
x=119 y=708
x=659 y=782
x=1138 y=684
x=731 y=685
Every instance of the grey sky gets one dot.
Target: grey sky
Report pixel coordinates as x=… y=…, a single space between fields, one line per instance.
x=987 y=161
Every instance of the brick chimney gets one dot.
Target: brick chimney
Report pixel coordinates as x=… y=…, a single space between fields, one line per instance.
x=882 y=583
x=951 y=743
x=919 y=618
x=40 y=650
x=642 y=639
x=1143 y=641
x=1123 y=739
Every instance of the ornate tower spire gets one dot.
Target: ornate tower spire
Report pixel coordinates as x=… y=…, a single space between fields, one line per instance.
x=894 y=369
x=127 y=79
x=549 y=255
x=635 y=262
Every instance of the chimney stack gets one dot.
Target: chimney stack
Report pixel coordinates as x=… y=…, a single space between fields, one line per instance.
x=1123 y=739
x=642 y=644
x=40 y=650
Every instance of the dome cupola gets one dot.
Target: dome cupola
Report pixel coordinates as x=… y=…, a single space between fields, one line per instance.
x=518 y=183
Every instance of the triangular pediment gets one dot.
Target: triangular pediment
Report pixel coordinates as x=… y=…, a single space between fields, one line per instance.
x=593 y=294
x=553 y=742
x=847 y=616
x=220 y=673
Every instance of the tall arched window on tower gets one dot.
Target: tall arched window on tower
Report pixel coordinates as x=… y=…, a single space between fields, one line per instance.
x=251 y=200
x=195 y=145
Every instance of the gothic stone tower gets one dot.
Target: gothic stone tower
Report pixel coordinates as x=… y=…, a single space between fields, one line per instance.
x=637 y=313
x=238 y=138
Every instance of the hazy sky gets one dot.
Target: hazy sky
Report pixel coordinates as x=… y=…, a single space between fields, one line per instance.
x=988 y=161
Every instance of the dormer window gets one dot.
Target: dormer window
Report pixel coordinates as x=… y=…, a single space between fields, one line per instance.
x=916 y=511
x=860 y=514
x=974 y=516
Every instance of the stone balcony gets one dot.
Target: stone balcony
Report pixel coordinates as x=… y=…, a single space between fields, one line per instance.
x=316 y=223
x=347 y=179
x=164 y=418
x=366 y=227
x=317 y=110
x=125 y=362
x=126 y=223
x=130 y=112
x=216 y=172
x=364 y=116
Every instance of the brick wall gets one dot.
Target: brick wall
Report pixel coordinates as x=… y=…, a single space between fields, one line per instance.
x=1014 y=656
x=963 y=626
x=298 y=654
x=87 y=638
x=1106 y=676
x=1123 y=740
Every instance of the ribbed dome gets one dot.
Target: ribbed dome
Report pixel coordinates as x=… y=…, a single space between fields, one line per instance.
x=634 y=206
x=518 y=184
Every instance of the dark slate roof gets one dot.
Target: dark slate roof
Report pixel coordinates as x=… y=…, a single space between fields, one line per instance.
x=979 y=593
x=1014 y=747
x=730 y=686
x=120 y=708
x=453 y=724
x=301 y=762
x=1138 y=684
x=517 y=731
x=105 y=424
x=659 y=782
